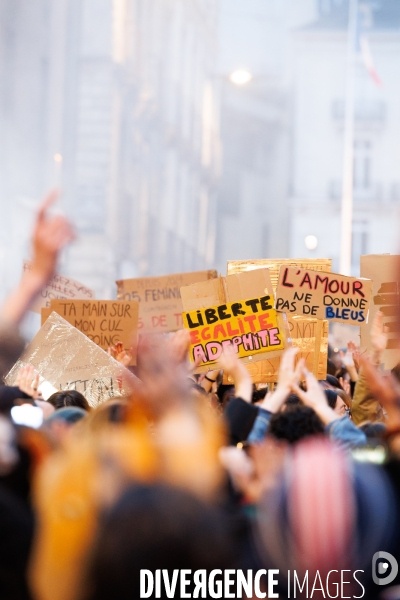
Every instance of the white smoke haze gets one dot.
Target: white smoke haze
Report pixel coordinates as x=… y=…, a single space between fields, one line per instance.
x=165 y=163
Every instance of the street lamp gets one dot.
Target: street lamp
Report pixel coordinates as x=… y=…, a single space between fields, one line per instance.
x=240 y=77
x=311 y=242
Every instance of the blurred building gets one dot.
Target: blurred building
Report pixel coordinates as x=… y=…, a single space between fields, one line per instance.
x=116 y=101
x=318 y=133
x=253 y=217
x=23 y=102
x=253 y=209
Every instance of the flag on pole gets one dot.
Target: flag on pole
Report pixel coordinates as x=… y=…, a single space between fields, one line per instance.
x=365 y=19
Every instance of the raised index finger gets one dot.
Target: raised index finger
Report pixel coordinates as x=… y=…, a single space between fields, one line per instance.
x=46 y=203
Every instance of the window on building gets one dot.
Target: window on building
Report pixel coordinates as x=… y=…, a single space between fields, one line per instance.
x=362 y=165
x=359 y=244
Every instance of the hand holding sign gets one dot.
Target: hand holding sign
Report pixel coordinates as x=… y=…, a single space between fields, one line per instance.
x=28 y=381
x=121 y=355
x=105 y=322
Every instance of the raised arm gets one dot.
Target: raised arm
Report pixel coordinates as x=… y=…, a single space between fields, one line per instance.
x=50 y=235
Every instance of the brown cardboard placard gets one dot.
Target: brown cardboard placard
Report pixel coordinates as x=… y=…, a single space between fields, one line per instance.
x=307 y=335
x=105 y=322
x=313 y=349
x=161 y=307
x=59 y=287
x=274 y=265
x=384 y=270
x=67 y=359
x=232 y=288
x=228 y=311
x=251 y=326
x=323 y=295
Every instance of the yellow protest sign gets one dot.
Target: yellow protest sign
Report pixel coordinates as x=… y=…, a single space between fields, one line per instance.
x=251 y=326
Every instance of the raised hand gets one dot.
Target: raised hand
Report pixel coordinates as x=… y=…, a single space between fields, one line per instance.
x=354 y=350
x=163 y=374
x=50 y=235
x=179 y=343
x=256 y=472
x=385 y=389
x=348 y=362
x=289 y=375
x=315 y=398
x=28 y=381
x=345 y=386
x=379 y=337
x=118 y=352
x=234 y=367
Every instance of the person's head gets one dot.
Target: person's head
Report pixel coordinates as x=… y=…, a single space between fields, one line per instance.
x=61 y=421
x=330 y=383
x=336 y=402
x=292 y=400
x=295 y=423
x=396 y=372
x=331 y=368
x=68 y=398
x=68 y=415
x=155 y=527
x=259 y=395
x=319 y=480
x=111 y=412
x=225 y=393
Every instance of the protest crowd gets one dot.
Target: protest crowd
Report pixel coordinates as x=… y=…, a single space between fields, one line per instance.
x=192 y=466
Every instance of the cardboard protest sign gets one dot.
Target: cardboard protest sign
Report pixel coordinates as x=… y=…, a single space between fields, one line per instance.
x=323 y=295
x=250 y=326
x=310 y=335
x=61 y=287
x=105 y=322
x=384 y=270
x=160 y=299
x=232 y=288
x=219 y=313
x=274 y=265
x=68 y=360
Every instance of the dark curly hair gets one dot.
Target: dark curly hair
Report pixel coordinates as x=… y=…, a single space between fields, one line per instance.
x=295 y=423
x=68 y=398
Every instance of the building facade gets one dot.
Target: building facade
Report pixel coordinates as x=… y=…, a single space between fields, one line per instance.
x=114 y=101
x=256 y=125
x=318 y=134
